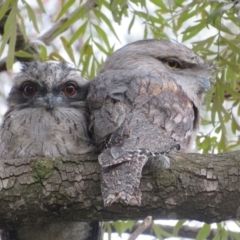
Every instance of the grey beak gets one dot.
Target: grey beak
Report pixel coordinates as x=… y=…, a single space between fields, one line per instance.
x=49 y=101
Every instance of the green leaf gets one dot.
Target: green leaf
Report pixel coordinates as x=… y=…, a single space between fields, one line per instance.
x=101 y=48
x=22 y=26
x=86 y=56
x=229 y=90
x=217 y=236
x=156 y=20
x=218 y=12
x=192 y=31
x=40 y=4
x=205 y=145
x=68 y=48
x=235 y=125
x=76 y=16
x=4 y=41
x=122 y=226
x=178 y=226
x=204 y=43
x=223 y=28
x=65 y=8
x=222 y=143
x=3 y=9
x=107 y=228
x=142 y=15
x=102 y=34
x=80 y=32
x=189 y=14
x=235 y=235
x=43 y=52
x=224 y=235
x=107 y=21
x=131 y=24
x=220 y=226
x=159 y=232
x=159 y=3
x=204 y=232
x=92 y=72
x=31 y=15
x=82 y=53
x=13 y=30
x=234 y=47
x=145 y=34
x=55 y=56
x=7 y=33
x=23 y=54
x=218 y=129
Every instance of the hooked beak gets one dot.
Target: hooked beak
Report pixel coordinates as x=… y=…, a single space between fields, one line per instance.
x=49 y=101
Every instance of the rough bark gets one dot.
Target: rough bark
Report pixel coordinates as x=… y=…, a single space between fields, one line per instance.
x=200 y=187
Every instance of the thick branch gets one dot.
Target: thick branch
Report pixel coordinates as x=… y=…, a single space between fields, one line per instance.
x=201 y=187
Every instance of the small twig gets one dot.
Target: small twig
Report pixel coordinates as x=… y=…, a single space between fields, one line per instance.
x=144 y=225
x=48 y=36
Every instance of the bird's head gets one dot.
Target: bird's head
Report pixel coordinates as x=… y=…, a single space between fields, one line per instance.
x=47 y=85
x=166 y=59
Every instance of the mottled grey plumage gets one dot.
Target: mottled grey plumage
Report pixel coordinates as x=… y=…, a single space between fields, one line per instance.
x=144 y=103
x=47 y=116
x=49 y=123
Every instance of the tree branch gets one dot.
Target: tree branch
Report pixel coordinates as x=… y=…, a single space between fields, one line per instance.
x=48 y=36
x=199 y=187
x=143 y=226
x=31 y=46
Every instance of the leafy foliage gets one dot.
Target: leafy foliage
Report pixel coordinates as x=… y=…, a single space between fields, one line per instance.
x=212 y=27
x=94 y=29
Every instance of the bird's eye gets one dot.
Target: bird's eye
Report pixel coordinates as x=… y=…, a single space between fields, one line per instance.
x=29 y=89
x=70 y=89
x=172 y=63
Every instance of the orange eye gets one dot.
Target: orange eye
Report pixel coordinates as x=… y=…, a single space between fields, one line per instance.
x=29 y=89
x=70 y=89
x=172 y=63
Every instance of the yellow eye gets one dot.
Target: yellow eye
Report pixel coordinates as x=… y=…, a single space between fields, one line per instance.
x=172 y=63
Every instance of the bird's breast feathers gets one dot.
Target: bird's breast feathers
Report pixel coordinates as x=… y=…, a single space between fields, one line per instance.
x=40 y=132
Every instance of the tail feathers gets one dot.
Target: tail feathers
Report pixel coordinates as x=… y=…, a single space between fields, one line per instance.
x=121 y=173
x=116 y=155
x=121 y=177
